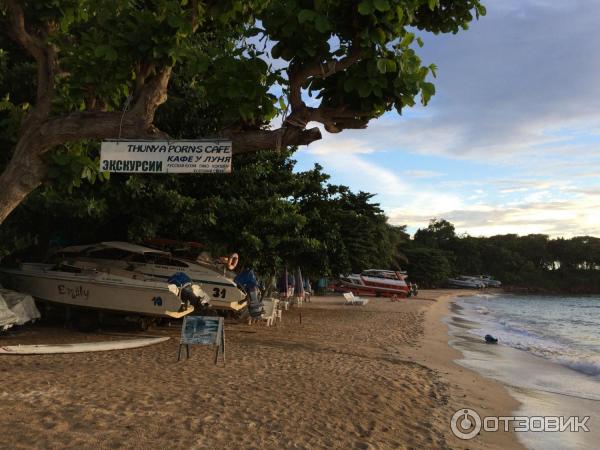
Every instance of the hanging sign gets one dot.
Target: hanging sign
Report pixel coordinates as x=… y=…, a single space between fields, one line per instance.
x=203 y=156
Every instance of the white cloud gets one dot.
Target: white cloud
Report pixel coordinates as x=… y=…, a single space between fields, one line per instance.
x=507 y=89
x=422 y=174
x=517 y=94
x=363 y=175
x=344 y=145
x=577 y=216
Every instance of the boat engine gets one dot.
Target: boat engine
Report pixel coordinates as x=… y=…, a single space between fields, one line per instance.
x=189 y=293
x=248 y=283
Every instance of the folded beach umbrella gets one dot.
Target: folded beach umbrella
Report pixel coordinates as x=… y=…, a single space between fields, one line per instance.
x=299 y=284
x=307 y=286
x=285 y=282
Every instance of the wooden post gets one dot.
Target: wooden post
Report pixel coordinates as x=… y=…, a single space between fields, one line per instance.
x=187 y=352
x=223 y=344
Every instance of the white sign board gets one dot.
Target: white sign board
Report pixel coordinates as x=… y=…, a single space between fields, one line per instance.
x=204 y=156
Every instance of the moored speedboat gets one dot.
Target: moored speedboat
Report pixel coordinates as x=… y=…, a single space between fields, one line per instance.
x=222 y=291
x=97 y=288
x=375 y=282
x=466 y=282
x=490 y=282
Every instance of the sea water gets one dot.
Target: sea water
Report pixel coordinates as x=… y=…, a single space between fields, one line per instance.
x=548 y=354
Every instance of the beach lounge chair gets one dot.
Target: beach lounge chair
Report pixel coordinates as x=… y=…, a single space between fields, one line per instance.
x=284 y=303
x=349 y=298
x=270 y=311
x=352 y=300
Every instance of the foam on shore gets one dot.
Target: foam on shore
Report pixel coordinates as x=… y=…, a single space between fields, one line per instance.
x=535 y=370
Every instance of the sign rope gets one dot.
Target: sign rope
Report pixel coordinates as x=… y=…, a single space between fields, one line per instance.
x=125 y=108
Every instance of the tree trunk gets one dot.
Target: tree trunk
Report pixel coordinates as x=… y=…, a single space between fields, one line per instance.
x=23 y=174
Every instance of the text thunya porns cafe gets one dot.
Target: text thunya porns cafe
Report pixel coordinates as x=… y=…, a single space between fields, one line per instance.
x=203 y=156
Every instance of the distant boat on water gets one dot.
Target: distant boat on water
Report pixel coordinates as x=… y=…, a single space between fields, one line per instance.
x=489 y=281
x=376 y=282
x=466 y=282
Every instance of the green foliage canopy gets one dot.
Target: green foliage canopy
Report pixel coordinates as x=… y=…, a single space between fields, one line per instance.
x=244 y=62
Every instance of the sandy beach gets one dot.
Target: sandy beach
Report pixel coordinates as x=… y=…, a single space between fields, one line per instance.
x=379 y=376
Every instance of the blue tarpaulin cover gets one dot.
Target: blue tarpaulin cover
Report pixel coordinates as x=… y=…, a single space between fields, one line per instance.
x=179 y=279
x=247 y=279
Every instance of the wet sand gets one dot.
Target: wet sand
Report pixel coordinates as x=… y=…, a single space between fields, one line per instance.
x=378 y=376
x=542 y=387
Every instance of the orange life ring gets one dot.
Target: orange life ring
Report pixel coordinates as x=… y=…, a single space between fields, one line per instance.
x=232 y=261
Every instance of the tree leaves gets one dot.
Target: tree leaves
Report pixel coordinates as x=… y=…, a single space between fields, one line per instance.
x=365 y=7
x=427 y=91
x=322 y=24
x=306 y=15
x=381 y=5
x=69 y=165
x=106 y=52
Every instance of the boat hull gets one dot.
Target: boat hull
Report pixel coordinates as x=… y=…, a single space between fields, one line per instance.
x=223 y=293
x=373 y=288
x=101 y=291
x=459 y=284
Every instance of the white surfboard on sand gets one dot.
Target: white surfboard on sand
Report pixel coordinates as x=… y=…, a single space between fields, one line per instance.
x=79 y=347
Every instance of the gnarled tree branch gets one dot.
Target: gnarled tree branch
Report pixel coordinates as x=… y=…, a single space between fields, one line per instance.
x=151 y=96
x=299 y=74
x=334 y=119
x=256 y=140
x=26 y=169
x=337 y=119
x=44 y=55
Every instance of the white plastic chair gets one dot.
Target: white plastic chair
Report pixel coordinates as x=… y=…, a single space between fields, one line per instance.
x=270 y=311
x=352 y=300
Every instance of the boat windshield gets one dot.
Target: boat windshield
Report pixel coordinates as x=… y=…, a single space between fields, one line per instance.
x=381 y=274
x=63 y=267
x=163 y=261
x=109 y=253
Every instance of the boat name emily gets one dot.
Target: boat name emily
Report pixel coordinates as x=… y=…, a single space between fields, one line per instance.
x=74 y=293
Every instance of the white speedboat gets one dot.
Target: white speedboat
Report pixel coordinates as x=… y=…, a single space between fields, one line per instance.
x=466 y=282
x=486 y=280
x=375 y=282
x=222 y=291
x=102 y=289
x=490 y=282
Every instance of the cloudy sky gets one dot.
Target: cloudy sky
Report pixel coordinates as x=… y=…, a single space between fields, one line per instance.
x=511 y=141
